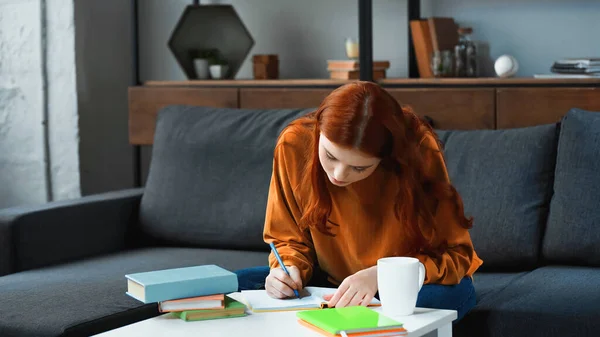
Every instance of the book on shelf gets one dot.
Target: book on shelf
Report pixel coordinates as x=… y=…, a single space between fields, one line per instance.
x=444 y=33
x=565 y=76
x=423 y=46
x=574 y=70
x=350 y=69
x=576 y=66
x=354 y=65
x=580 y=62
x=354 y=75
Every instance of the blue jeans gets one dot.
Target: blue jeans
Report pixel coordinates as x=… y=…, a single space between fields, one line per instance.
x=459 y=297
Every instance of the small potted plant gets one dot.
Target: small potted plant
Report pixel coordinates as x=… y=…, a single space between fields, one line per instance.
x=202 y=59
x=218 y=68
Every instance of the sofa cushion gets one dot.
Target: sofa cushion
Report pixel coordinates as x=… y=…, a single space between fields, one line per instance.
x=209 y=175
x=551 y=301
x=573 y=230
x=505 y=180
x=88 y=297
x=488 y=284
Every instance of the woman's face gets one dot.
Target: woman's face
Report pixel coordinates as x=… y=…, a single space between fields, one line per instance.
x=344 y=166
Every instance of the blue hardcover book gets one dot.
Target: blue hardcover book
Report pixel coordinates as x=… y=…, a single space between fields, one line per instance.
x=171 y=284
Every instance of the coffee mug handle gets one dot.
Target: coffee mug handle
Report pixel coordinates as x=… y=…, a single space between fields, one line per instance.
x=421 y=275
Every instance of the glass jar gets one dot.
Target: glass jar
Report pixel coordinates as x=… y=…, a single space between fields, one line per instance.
x=465 y=54
x=442 y=63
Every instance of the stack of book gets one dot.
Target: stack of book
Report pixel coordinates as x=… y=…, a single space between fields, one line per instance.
x=350 y=321
x=350 y=69
x=191 y=293
x=574 y=68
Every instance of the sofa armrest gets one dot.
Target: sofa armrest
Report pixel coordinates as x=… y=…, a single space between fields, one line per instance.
x=41 y=235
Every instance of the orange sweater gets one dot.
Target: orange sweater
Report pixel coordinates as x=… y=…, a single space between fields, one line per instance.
x=368 y=229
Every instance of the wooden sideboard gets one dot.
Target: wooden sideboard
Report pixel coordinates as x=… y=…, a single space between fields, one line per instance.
x=488 y=103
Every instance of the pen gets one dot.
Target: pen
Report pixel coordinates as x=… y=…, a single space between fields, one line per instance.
x=282 y=265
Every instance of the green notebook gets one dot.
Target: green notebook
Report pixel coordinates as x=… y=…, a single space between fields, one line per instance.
x=349 y=319
x=233 y=308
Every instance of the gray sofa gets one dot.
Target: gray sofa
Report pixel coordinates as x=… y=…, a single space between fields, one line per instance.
x=533 y=193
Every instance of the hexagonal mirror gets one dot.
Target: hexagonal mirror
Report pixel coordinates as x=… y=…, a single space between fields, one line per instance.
x=210 y=29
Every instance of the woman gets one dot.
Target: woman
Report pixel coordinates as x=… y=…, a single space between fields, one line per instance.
x=359 y=179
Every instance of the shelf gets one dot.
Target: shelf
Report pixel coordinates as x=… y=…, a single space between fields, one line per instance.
x=390 y=82
x=489 y=81
x=210 y=27
x=251 y=83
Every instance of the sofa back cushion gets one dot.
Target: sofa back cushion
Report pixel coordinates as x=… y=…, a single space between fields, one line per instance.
x=209 y=176
x=505 y=180
x=573 y=230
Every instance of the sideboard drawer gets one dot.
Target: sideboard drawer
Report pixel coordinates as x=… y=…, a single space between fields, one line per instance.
x=452 y=108
x=522 y=107
x=282 y=98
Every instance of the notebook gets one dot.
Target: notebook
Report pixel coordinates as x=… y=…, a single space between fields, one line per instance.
x=378 y=333
x=233 y=308
x=350 y=320
x=310 y=298
x=178 y=283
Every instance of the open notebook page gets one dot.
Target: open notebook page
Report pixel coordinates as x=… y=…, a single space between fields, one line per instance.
x=310 y=298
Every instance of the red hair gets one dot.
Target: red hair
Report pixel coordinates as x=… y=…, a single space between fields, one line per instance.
x=364 y=116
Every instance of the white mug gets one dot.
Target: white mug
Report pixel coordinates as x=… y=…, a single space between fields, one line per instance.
x=399 y=280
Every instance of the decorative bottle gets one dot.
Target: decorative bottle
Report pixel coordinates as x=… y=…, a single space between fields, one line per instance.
x=465 y=54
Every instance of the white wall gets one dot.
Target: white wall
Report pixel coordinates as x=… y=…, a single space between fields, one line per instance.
x=84 y=95
x=535 y=32
x=24 y=96
x=103 y=44
x=21 y=138
x=62 y=100
x=306 y=33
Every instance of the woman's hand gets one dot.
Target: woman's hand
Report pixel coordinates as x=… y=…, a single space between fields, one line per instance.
x=357 y=289
x=279 y=285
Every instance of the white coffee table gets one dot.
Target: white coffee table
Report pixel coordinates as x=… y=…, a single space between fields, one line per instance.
x=424 y=322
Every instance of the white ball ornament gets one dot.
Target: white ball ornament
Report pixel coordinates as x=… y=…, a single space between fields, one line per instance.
x=506 y=66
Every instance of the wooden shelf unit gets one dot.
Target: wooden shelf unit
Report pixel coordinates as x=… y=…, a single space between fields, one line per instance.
x=491 y=81
x=388 y=82
x=250 y=82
